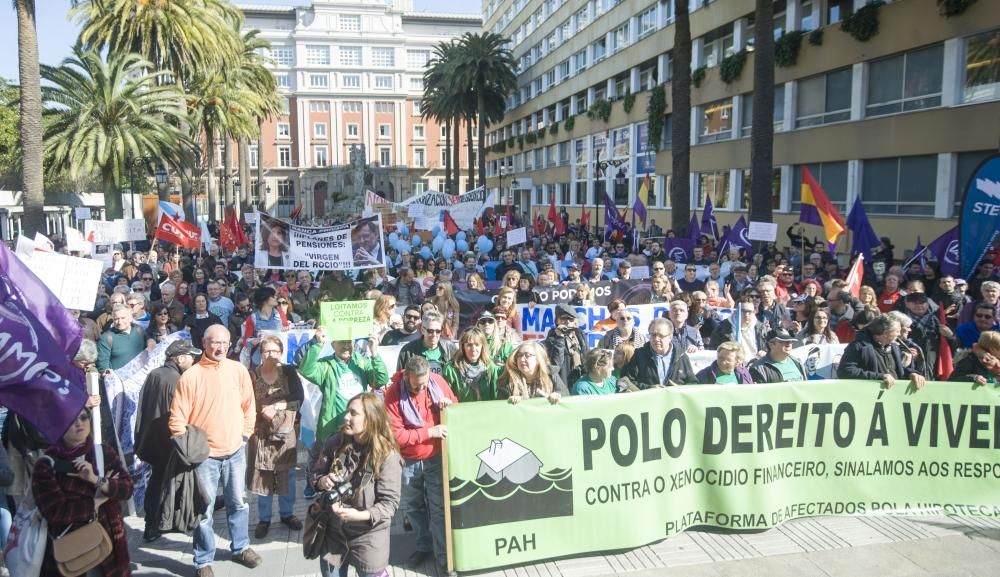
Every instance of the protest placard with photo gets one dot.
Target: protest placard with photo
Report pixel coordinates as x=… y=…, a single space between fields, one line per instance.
x=354 y=245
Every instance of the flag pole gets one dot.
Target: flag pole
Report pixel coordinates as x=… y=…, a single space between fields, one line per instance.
x=914 y=257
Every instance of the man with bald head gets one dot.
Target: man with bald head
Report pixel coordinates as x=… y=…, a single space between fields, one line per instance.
x=216 y=395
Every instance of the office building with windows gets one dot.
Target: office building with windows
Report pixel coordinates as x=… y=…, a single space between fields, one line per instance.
x=351 y=73
x=900 y=120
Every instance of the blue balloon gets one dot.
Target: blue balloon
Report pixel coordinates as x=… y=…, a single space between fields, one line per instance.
x=416 y=240
x=460 y=235
x=437 y=243
x=401 y=228
x=437 y=230
x=462 y=245
x=393 y=237
x=448 y=252
x=425 y=252
x=484 y=244
x=448 y=243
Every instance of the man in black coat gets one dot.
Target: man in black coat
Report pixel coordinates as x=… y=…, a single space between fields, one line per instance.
x=749 y=325
x=778 y=365
x=566 y=345
x=875 y=355
x=431 y=346
x=152 y=436
x=658 y=363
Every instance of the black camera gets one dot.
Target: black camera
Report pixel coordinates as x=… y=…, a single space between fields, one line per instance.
x=340 y=491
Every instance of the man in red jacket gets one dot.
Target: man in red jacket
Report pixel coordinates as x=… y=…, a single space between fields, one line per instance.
x=414 y=400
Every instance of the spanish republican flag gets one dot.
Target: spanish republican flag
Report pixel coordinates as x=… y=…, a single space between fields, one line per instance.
x=817 y=209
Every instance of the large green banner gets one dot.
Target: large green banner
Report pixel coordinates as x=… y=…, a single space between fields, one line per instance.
x=535 y=481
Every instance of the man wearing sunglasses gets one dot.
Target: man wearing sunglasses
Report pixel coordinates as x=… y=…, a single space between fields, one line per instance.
x=431 y=346
x=410 y=330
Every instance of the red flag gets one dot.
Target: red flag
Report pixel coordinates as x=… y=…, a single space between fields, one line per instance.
x=560 y=226
x=450 y=226
x=945 y=362
x=855 y=276
x=296 y=212
x=227 y=238
x=479 y=226
x=585 y=218
x=178 y=232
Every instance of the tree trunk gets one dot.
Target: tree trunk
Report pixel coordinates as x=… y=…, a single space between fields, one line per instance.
x=680 y=191
x=762 y=135
x=227 y=181
x=469 y=143
x=244 y=200
x=213 y=195
x=113 y=207
x=481 y=98
x=457 y=151
x=447 y=156
x=33 y=184
x=261 y=187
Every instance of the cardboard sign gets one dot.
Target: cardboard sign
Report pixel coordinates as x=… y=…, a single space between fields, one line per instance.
x=347 y=320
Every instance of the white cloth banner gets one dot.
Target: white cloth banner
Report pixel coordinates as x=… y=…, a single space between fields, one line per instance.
x=464 y=208
x=820 y=361
x=358 y=244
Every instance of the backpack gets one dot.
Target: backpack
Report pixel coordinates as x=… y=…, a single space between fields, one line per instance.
x=25 y=550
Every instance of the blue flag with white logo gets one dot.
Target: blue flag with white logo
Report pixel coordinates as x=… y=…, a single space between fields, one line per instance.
x=979 y=223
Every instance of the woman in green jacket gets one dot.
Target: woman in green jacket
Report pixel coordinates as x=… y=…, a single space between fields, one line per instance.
x=471 y=373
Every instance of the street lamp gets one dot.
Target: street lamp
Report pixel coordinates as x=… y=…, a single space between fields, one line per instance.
x=600 y=168
x=161 y=176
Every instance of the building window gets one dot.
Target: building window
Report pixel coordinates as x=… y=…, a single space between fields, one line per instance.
x=909 y=81
x=809 y=15
x=418 y=132
x=384 y=156
x=386 y=107
x=600 y=48
x=350 y=23
x=350 y=56
x=384 y=130
x=824 y=99
x=319 y=106
x=716 y=121
x=282 y=56
x=832 y=176
x=352 y=130
x=383 y=81
x=286 y=196
x=416 y=108
x=282 y=80
x=444 y=156
x=747 y=111
x=982 y=67
x=383 y=57
x=417 y=83
x=417 y=58
x=716 y=186
x=619 y=38
x=254 y=155
x=319 y=156
x=350 y=81
x=904 y=186
x=837 y=10
x=319 y=80
x=775 y=189
x=284 y=156
x=283 y=130
x=444 y=131
x=966 y=164
x=317 y=55
x=419 y=157
x=319 y=129
x=647 y=21
x=419 y=187
x=351 y=106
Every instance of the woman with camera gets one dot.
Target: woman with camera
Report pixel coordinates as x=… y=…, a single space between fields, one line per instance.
x=359 y=471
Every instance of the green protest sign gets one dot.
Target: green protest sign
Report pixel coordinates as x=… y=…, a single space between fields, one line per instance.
x=601 y=473
x=347 y=320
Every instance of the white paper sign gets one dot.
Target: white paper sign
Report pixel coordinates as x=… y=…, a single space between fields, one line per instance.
x=76 y=243
x=415 y=211
x=82 y=212
x=133 y=229
x=763 y=231
x=25 y=246
x=42 y=243
x=72 y=279
x=102 y=230
x=103 y=252
x=517 y=236
x=250 y=217
x=640 y=272
x=424 y=224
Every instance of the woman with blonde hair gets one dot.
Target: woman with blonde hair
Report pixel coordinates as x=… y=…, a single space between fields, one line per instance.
x=471 y=373
x=384 y=306
x=474 y=282
x=364 y=454
x=506 y=299
x=623 y=354
x=511 y=279
x=868 y=297
x=447 y=304
x=583 y=297
x=527 y=374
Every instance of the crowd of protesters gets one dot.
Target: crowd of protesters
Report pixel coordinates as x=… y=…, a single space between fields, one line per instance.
x=228 y=407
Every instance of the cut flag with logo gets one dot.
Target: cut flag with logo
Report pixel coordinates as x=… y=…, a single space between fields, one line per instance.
x=37 y=379
x=708 y=223
x=864 y=238
x=817 y=209
x=641 y=200
x=176 y=232
x=737 y=238
x=979 y=220
x=678 y=249
x=694 y=229
x=615 y=224
x=855 y=277
x=945 y=250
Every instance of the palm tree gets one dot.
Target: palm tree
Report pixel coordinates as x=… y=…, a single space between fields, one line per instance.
x=488 y=72
x=762 y=136
x=32 y=189
x=107 y=112
x=442 y=101
x=680 y=193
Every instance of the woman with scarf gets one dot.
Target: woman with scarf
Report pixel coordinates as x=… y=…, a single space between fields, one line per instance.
x=527 y=374
x=365 y=455
x=67 y=490
x=728 y=367
x=981 y=365
x=471 y=373
x=271 y=452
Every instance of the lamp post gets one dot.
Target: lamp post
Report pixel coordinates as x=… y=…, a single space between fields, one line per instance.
x=600 y=169
x=236 y=193
x=133 y=162
x=510 y=198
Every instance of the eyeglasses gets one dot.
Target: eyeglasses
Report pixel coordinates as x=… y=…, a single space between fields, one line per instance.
x=432 y=331
x=149 y=278
x=282 y=302
x=625 y=319
x=412 y=317
x=486 y=321
x=659 y=336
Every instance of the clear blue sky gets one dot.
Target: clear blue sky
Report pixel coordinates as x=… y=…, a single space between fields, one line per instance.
x=56 y=34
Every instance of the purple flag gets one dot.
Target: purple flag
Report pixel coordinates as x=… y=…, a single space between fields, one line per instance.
x=693 y=233
x=17 y=282
x=678 y=249
x=708 y=223
x=612 y=218
x=37 y=380
x=919 y=252
x=864 y=239
x=945 y=248
x=737 y=237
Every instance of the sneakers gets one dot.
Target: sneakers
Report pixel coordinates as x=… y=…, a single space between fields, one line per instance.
x=418 y=558
x=205 y=571
x=292 y=522
x=261 y=530
x=247 y=557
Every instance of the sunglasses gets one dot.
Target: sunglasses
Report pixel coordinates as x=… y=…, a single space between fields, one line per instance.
x=412 y=317
x=282 y=302
x=149 y=278
x=433 y=331
x=486 y=321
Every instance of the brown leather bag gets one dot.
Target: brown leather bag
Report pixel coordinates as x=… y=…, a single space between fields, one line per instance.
x=80 y=550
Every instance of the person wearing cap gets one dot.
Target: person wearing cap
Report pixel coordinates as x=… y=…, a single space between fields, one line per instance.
x=566 y=344
x=875 y=355
x=501 y=339
x=658 y=363
x=152 y=433
x=624 y=270
x=927 y=329
x=737 y=281
x=572 y=273
x=778 y=365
